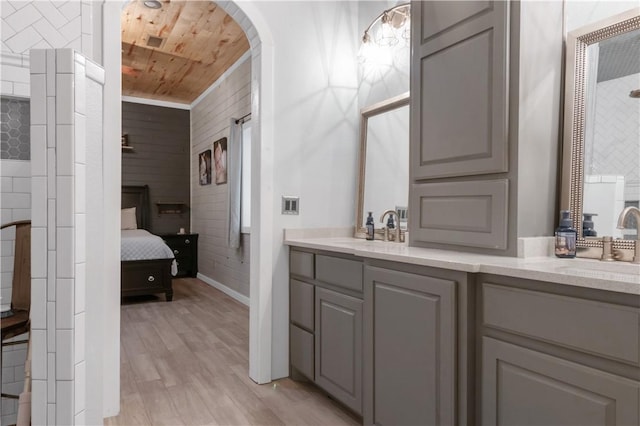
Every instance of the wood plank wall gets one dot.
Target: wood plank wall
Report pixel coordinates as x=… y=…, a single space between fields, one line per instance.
x=210 y=122
x=160 y=138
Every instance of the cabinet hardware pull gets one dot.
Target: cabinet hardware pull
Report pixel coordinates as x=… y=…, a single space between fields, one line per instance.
x=151 y=279
x=176 y=252
x=187 y=241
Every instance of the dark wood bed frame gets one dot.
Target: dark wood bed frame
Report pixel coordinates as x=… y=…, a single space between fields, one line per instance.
x=143 y=277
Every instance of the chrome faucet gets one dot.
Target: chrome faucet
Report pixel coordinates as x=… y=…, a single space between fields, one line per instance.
x=397 y=233
x=633 y=211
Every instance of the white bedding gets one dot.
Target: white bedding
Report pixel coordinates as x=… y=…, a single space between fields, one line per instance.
x=138 y=244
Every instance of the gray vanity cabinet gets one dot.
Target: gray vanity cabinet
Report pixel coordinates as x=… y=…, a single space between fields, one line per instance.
x=339 y=346
x=554 y=355
x=526 y=387
x=460 y=70
x=410 y=349
x=326 y=317
x=484 y=129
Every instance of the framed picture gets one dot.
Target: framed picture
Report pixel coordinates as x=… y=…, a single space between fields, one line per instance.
x=220 y=160
x=204 y=168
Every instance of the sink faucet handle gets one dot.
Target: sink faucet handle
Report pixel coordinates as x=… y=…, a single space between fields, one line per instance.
x=607 y=249
x=396 y=229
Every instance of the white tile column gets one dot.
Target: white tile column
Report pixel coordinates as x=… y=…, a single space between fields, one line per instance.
x=58 y=149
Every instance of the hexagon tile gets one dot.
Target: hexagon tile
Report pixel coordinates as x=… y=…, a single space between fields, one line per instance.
x=15 y=133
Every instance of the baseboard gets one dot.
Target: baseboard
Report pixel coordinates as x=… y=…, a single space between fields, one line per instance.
x=226 y=290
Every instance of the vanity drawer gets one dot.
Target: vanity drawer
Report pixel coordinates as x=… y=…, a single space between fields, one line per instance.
x=302 y=351
x=339 y=272
x=301 y=304
x=598 y=328
x=301 y=263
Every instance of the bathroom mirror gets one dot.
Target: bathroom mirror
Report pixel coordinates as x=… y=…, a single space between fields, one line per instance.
x=383 y=181
x=601 y=152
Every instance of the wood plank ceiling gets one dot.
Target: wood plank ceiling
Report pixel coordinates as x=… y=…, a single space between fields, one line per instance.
x=197 y=42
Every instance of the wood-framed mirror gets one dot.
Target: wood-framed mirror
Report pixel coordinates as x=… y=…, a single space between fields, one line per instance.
x=601 y=151
x=383 y=178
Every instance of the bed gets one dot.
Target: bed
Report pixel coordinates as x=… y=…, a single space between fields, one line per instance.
x=146 y=261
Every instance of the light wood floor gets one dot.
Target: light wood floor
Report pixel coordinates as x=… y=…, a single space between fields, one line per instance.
x=186 y=363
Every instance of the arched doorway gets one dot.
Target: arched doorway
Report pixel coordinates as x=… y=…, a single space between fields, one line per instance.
x=261 y=263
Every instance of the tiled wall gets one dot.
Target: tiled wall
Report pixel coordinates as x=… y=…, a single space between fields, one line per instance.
x=15 y=204
x=46 y=24
x=42 y=24
x=14 y=129
x=26 y=25
x=209 y=203
x=58 y=235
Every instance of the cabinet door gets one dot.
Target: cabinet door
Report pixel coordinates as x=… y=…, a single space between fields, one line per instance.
x=524 y=387
x=472 y=214
x=339 y=346
x=459 y=96
x=409 y=349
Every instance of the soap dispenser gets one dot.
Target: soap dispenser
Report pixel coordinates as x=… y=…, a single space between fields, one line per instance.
x=587 y=225
x=565 y=236
x=390 y=223
x=370 y=226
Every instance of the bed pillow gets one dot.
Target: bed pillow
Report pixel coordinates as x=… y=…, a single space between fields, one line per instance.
x=128 y=219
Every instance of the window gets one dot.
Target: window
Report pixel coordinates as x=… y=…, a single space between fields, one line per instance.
x=245 y=202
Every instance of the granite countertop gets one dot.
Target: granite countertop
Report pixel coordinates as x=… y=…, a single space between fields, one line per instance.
x=620 y=277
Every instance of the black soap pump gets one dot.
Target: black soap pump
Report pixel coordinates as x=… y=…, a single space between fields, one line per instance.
x=565 y=236
x=587 y=225
x=390 y=223
x=370 y=227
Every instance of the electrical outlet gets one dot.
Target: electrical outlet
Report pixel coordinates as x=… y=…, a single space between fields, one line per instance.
x=290 y=205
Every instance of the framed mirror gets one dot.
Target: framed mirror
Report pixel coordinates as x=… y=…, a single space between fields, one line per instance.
x=601 y=152
x=383 y=178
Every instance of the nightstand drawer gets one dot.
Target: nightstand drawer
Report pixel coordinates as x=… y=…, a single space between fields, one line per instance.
x=185 y=250
x=186 y=241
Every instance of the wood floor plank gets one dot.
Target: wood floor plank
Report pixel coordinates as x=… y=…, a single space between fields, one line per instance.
x=143 y=368
x=186 y=363
x=158 y=403
x=132 y=412
x=169 y=370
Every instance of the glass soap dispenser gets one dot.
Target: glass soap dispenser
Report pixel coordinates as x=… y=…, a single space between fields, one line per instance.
x=565 y=236
x=587 y=225
x=370 y=226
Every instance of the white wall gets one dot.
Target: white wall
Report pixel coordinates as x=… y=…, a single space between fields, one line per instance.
x=381 y=79
x=315 y=131
x=583 y=12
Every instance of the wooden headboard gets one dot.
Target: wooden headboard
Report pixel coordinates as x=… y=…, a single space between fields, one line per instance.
x=138 y=197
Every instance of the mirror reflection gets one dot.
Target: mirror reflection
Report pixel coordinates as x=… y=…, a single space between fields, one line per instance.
x=602 y=133
x=384 y=162
x=612 y=135
x=387 y=171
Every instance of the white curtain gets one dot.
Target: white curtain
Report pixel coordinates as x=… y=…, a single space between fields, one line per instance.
x=234 y=177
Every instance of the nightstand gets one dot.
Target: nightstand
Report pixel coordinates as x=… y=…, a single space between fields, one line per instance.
x=185 y=249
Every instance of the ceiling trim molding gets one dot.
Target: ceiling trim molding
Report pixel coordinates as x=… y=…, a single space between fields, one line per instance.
x=218 y=82
x=155 y=102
